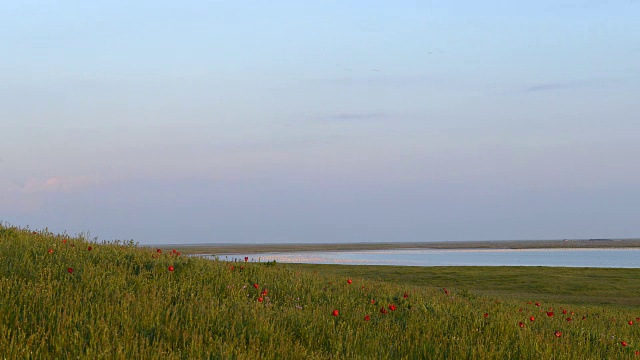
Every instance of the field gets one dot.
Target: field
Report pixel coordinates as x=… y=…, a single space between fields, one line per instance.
x=67 y=297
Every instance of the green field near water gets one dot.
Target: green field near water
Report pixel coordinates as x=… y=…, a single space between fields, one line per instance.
x=67 y=297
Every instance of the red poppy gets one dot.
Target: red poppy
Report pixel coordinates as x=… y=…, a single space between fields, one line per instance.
x=373 y=301
x=569 y=319
x=50 y=251
x=630 y=322
x=558 y=334
x=349 y=281
x=264 y=292
x=532 y=318
x=392 y=307
x=638 y=319
x=158 y=250
x=584 y=317
x=405 y=295
x=637 y=352
x=171 y=268
x=383 y=310
x=486 y=315
x=89 y=248
x=70 y=270
x=256 y=286
x=537 y=303
x=34 y=233
x=623 y=343
x=549 y=313
x=564 y=312
x=446 y=291
x=520 y=310
x=178 y=253
x=232 y=267
x=367 y=318
x=335 y=312
x=246 y=258
x=259 y=299
x=64 y=241
x=521 y=324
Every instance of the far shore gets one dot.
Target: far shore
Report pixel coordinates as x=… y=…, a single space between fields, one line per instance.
x=227 y=249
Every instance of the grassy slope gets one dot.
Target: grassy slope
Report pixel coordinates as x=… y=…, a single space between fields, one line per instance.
x=121 y=301
x=577 y=286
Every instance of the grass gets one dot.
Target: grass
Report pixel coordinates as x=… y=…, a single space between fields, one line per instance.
x=122 y=301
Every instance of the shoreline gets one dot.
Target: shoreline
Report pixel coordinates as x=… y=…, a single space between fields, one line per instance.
x=231 y=249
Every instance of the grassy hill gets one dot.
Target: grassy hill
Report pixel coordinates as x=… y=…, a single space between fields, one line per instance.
x=66 y=297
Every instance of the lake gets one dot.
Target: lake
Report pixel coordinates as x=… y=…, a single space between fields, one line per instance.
x=604 y=258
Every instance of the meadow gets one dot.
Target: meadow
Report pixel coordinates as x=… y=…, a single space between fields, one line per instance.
x=70 y=297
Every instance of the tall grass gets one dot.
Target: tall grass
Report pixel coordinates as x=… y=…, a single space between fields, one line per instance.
x=121 y=301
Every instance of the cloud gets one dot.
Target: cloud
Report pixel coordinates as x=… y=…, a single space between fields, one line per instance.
x=355 y=116
x=58 y=184
x=550 y=86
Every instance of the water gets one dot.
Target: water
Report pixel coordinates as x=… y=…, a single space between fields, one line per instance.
x=601 y=258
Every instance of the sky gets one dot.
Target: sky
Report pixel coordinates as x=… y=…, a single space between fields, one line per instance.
x=176 y=122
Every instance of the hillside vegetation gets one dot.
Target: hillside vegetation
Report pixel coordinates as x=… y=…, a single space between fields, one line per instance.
x=67 y=297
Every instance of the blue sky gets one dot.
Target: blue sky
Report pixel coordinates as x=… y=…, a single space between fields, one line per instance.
x=321 y=121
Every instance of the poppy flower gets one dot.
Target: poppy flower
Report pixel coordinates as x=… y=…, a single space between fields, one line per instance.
x=630 y=322
x=50 y=251
x=623 y=343
x=637 y=352
x=486 y=315
x=89 y=248
x=70 y=270
x=532 y=318
x=264 y=292
x=64 y=241
x=373 y=301
x=537 y=303
x=392 y=307
x=256 y=286
x=520 y=310
x=171 y=268
x=232 y=267
x=34 y=233
x=260 y=299
x=445 y=291
x=335 y=312
x=558 y=334
x=549 y=313
x=349 y=281
x=405 y=295
x=564 y=312
x=158 y=250
x=569 y=319
x=367 y=318
x=521 y=324
x=178 y=253
x=638 y=319
x=383 y=310
x=584 y=317
x=246 y=258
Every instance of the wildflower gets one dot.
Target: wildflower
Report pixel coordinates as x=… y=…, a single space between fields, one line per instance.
x=392 y=307
x=532 y=318
x=549 y=313
x=630 y=322
x=521 y=324
x=537 y=304
x=383 y=310
x=256 y=286
x=246 y=258
x=367 y=318
x=569 y=319
x=264 y=292
x=558 y=334
x=50 y=251
x=405 y=295
x=373 y=301
x=64 y=241
x=89 y=248
x=623 y=343
x=349 y=281
x=158 y=251
x=335 y=312
x=564 y=312
x=260 y=299
x=171 y=268
x=70 y=270
x=486 y=315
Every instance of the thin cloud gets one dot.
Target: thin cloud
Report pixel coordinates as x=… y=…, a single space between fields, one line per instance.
x=58 y=184
x=355 y=116
x=551 y=86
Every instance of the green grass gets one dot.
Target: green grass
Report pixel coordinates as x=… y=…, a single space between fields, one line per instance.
x=121 y=301
x=575 y=286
